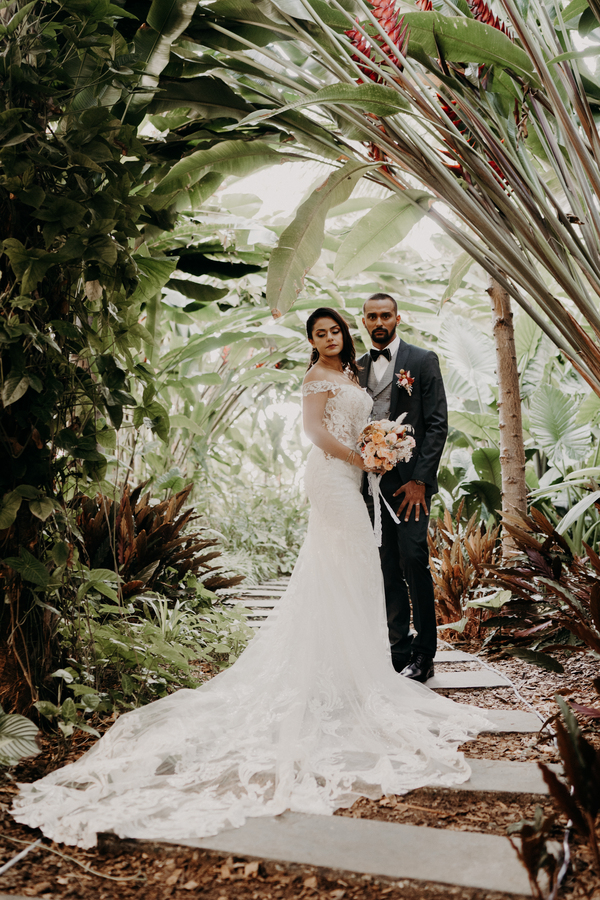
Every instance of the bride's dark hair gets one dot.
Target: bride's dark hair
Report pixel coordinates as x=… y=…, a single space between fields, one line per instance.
x=348 y=354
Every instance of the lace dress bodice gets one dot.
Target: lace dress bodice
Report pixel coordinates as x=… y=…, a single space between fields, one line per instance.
x=346 y=413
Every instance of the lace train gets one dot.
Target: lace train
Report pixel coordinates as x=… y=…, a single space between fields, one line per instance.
x=311 y=717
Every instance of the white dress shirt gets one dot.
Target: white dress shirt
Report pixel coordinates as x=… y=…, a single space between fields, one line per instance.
x=380 y=365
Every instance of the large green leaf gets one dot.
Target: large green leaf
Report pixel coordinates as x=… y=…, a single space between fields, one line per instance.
x=527 y=338
x=165 y=22
x=375 y=98
x=17 y=738
x=242 y=9
x=300 y=244
x=381 y=228
x=459 y=39
x=489 y=494
x=180 y=421
x=470 y=352
x=552 y=422
x=460 y=267
x=487 y=463
x=372 y=98
x=482 y=426
x=576 y=511
x=28 y=567
x=589 y=410
x=199 y=294
x=205 y=94
x=16 y=20
x=154 y=274
x=532 y=357
x=42 y=508
x=15 y=386
x=229 y=158
x=574 y=8
x=9 y=507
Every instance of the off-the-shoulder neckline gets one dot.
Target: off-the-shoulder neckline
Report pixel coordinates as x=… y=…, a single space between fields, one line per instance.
x=334 y=384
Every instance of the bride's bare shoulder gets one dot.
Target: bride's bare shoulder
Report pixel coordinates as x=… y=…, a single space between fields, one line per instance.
x=317 y=373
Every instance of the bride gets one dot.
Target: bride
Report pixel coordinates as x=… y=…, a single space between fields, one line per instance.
x=312 y=715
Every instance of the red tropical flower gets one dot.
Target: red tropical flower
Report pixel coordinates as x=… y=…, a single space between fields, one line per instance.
x=392 y=23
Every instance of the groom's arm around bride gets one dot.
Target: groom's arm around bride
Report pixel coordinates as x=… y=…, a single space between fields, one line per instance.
x=403 y=378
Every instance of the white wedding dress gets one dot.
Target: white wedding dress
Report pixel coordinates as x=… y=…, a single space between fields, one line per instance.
x=311 y=717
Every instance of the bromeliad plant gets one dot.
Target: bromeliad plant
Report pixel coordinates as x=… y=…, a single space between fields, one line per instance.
x=579 y=798
x=555 y=601
x=459 y=555
x=149 y=546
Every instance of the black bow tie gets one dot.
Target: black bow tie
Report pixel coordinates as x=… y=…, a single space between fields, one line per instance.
x=375 y=354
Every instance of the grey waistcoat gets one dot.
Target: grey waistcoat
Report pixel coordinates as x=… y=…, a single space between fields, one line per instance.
x=381 y=391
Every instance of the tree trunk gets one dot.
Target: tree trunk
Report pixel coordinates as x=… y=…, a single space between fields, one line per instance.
x=512 y=450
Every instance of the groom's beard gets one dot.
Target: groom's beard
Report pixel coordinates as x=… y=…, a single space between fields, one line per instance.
x=382 y=336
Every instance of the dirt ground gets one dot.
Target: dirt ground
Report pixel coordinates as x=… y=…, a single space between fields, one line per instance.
x=136 y=870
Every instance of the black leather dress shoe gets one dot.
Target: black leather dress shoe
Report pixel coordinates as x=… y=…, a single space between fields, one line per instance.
x=420 y=668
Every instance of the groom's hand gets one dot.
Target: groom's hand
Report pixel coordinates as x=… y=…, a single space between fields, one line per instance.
x=414 y=497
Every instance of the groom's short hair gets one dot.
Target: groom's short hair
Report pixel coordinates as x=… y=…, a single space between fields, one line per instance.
x=381 y=297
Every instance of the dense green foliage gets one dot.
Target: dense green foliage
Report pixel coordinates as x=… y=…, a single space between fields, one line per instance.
x=84 y=193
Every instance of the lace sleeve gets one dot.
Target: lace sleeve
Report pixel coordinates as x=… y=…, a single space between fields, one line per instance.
x=319 y=387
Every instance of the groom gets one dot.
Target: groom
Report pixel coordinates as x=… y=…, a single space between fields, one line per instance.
x=403 y=378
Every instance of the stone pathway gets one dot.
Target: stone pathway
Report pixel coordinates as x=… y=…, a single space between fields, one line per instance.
x=370 y=847
x=459 y=858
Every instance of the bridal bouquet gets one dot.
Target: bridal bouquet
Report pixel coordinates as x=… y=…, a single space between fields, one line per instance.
x=382 y=444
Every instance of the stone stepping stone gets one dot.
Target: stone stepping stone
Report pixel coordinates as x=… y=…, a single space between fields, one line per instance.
x=447 y=656
x=505 y=776
x=370 y=847
x=507 y=721
x=469 y=679
x=16 y=897
x=253 y=602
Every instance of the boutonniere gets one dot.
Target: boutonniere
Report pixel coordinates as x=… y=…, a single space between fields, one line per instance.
x=405 y=381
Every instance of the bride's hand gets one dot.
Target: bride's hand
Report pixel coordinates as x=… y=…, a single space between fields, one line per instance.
x=378 y=471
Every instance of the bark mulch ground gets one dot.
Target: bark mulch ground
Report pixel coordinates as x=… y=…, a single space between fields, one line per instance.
x=158 y=872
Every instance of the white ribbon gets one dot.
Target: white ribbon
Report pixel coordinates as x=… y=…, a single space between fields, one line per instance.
x=375 y=492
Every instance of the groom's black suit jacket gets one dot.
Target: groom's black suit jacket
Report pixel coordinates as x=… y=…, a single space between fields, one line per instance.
x=426 y=410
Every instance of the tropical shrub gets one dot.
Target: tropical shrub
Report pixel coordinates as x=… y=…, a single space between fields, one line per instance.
x=553 y=599
x=579 y=797
x=458 y=558
x=261 y=531
x=148 y=545
x=535 y=853
x=83 y=192
x=470 y=482
x=120 y=655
